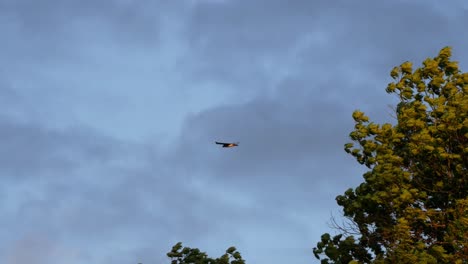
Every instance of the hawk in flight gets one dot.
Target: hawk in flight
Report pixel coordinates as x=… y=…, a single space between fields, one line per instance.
x=228 y=145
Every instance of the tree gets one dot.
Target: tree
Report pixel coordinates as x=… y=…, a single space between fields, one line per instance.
x=412 y=206
x=188 y=255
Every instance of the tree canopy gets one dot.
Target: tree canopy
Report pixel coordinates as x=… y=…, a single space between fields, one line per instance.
x=186 y=255
x=412 y=206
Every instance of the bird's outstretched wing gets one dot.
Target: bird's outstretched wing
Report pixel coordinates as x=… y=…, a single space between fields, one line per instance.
x=221 y=143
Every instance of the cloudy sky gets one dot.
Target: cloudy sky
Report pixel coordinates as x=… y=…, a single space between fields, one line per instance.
x=110 y=110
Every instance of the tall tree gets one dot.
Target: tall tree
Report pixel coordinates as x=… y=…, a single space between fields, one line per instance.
x=412 y=206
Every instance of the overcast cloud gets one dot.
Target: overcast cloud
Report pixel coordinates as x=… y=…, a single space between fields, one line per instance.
x=110 y=110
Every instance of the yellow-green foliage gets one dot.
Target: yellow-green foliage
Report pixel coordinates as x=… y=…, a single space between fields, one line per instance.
x=413 y=205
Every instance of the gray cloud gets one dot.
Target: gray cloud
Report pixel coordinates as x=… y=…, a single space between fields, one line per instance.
x=56 y=17
x=28 y=149
x=75 y=184
x=110 y=110
x=39 y=248
x=61 y=31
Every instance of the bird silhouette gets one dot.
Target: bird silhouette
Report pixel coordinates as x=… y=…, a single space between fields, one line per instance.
x=227 y=145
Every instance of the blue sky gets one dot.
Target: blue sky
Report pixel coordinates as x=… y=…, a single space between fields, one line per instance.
x=110 y=110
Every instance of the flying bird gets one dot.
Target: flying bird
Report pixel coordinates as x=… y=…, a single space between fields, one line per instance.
x=228 y=145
